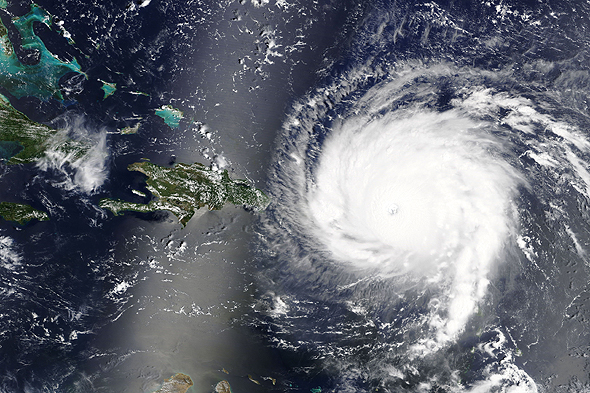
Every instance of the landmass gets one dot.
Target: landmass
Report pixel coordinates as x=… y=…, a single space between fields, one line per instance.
x=24 y=141
x=21 y=213
x=223 y=387
x=108 y=88
x=21 y=139
x=131 y=130
x=178 y=383
x=171 y=116
x=185 y=188
x=39 y=80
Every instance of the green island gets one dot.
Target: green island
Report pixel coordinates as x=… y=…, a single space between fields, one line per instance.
x=171 y=116
x=20 y=213
x=108 y=88
x=40 y=80
x=24 y=141
x=21 y=139
x=185 y=188
x=178 y=383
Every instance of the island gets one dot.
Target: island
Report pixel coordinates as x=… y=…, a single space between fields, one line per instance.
x=24 y=141
x=131 y=129
x=40 y=80
x=171 y=116
x=21 y=139
x=223 y=387
x=20 y=213
x=185 y=188
x=178 y=383
x=108 y=88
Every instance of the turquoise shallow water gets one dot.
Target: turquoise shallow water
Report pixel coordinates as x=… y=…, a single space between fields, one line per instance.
x=40 y=80
x=9 y=149
x=170 y=115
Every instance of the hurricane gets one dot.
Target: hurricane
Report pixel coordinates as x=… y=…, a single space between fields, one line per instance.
x=425 y=208
x=423 y=195
x=295 y=196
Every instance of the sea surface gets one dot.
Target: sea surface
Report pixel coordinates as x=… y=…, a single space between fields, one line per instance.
x=428 y=169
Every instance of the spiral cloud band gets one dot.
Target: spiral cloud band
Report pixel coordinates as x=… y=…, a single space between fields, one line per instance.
x=408 y=203
x=421 y=193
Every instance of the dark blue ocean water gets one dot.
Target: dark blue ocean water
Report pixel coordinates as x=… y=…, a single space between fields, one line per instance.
x=214 y=60
x=58 y=277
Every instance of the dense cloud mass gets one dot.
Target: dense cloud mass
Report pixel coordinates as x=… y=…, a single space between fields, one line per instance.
x=406 y=194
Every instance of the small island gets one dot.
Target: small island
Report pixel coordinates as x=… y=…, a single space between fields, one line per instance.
x=108 y=88
x=21 y=213
x=178 y=383
x=171 y=115
x=223 y=387
x=131 y=129
x=185 y=188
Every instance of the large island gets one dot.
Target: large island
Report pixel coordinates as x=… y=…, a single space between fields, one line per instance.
x=185 y=188
x=24 y=141
x=21 y=213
